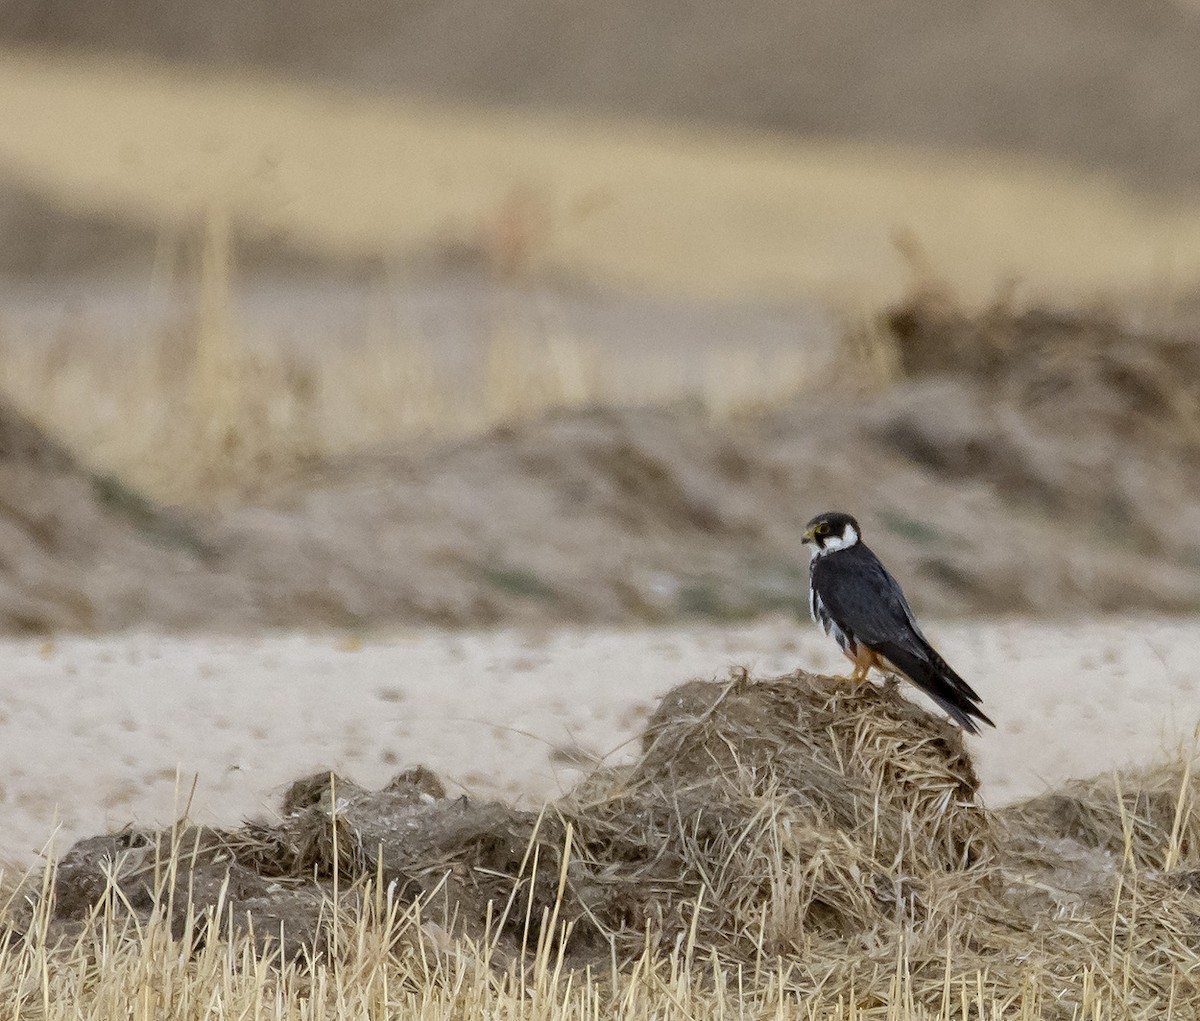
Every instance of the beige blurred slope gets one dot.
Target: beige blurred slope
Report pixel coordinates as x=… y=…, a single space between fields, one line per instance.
x=1106 y=83
x=653 y=206
x=94 y=732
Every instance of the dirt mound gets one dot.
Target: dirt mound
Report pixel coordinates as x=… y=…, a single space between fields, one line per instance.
x=1068 y=80
x=601 y=515
x=278 y=880
x=832 y=823
x=80 y=551
x=846 y=796
x=1025 y=461
x=1023 y=458
x=1077 y=416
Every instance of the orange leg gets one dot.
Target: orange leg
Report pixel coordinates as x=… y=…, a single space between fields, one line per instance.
x=863 y=659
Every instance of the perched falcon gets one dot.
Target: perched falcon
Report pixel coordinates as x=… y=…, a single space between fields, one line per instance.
x=854 y=599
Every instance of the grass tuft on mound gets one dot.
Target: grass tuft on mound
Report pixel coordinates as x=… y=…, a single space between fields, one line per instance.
x=795 y=809
x=800 y=837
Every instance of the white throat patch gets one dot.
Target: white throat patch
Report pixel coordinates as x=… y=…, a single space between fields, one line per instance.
x=834 y=543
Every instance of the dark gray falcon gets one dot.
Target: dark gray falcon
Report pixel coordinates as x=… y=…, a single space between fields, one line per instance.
x=854 y=599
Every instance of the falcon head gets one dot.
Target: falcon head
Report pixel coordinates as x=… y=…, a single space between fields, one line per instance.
x=831 y=531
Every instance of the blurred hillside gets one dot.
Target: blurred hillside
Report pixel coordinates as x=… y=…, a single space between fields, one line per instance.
x=684 y=147
x=320 y=275
x=1027 y=462
x=1112 y=84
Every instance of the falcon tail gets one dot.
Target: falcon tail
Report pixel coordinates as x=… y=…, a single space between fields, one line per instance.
x=933 y=675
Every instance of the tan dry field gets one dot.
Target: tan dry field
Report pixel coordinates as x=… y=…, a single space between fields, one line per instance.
x=658 y=207
x=98 y=733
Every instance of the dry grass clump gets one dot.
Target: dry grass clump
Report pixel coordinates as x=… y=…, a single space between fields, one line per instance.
x=793 y=812
x=1145 y=817
x=801 y=845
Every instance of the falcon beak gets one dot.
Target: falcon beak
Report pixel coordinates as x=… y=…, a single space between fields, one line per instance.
x=808 y=537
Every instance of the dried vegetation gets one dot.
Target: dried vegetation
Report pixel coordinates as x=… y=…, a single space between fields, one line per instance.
x=798 y=844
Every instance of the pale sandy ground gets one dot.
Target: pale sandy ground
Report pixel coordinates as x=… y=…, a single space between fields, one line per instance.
x=94 y=731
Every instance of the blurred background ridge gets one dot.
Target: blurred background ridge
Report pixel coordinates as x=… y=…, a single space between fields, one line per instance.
x=1101 y=83
x=661 y=279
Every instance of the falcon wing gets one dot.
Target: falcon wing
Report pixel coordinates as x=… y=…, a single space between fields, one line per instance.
x=867 y=603
x=864 y=599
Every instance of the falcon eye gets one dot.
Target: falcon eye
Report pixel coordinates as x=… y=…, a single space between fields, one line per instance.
x=822 y=529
